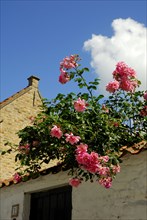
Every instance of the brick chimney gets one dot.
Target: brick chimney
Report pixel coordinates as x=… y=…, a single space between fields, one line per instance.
x=33 y=81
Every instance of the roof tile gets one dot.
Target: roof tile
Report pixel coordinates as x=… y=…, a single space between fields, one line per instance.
x=135 y=149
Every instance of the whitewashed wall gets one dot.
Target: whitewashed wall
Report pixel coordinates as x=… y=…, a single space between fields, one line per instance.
x=126 y=200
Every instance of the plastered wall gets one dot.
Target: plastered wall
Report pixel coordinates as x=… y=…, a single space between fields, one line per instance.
x=126 y=200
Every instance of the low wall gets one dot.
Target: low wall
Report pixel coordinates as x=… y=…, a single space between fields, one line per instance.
x=126 y=200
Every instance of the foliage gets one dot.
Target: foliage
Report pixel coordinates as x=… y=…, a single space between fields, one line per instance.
x=83 y=132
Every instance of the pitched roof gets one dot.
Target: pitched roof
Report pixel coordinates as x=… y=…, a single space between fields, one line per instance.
x=135 y=149
x=31 y=79
x=53 y=168
x=15 y=96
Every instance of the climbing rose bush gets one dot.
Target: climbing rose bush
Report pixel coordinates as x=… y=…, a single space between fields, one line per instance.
x=84 y=131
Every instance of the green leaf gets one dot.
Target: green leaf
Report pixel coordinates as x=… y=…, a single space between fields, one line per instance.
x=72 y=75
x=86 y=69
x=92 y=87
x=78 y=80
x=85 y=96
x=80 y=72
x=81 y=85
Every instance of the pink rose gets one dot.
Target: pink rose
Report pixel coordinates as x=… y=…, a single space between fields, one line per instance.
x=24 y=149
x=74 y=182
x=128 y=85
x=17 y=178
x=80 y=105
x=79 y=158
x=116 y=169
x=104 y=171
x=69 y=62
x=86 y=159
x=122 y=70
x=56 y=132
x=64 y=77
x=104 y=159
x=72 y=139
x=126 y=76
x=106 y=182
x=145 y=96
x=131 y=72
x=112 y=86
x=93 y=168
x=94 y=157
x=105 y=109
x=81 y=148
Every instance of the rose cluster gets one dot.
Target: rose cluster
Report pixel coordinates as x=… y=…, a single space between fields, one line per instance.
x=66 y=64
x=91 y=162
x=124 y=78
x=95 y=164
x=56 y=132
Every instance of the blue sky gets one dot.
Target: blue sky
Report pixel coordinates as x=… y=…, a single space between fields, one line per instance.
x=37 y=35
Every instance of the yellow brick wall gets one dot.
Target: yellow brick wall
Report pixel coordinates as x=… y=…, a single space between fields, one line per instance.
x=14 y=115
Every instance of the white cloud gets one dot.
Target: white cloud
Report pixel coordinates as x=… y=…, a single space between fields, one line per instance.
x=128 y=44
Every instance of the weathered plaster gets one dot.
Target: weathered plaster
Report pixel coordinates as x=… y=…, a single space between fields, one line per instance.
x=126 y=200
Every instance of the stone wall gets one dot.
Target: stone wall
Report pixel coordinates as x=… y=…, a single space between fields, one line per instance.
x=15 y=114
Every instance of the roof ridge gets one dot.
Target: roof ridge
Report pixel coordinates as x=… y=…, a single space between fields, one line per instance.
x=135 y=149
x=31 y=83
x=15 y=96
